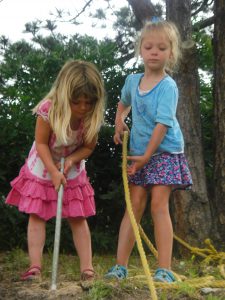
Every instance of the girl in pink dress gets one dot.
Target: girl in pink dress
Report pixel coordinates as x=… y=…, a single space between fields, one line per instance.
x=68 y=121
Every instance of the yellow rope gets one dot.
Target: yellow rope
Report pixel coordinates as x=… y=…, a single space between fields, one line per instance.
x=192 y=249
x=133 y=221
x=209 y=254
x=222 y=271
x=210 y=245
x=197 y=283
x=148 y=242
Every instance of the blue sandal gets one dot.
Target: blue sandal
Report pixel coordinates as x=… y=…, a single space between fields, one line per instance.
x=118 y=272
x=164 y=275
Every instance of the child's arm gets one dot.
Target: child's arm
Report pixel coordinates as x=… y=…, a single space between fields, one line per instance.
x=42 y=134
x=81 y=153
x=139 y=161
x=120 y=125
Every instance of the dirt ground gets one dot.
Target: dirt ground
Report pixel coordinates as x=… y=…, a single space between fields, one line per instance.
x=65 y=291
x=16 y=290
x=34 y=291
x=70 y=287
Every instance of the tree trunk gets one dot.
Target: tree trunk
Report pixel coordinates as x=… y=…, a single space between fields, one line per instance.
x=143 y=10
x=219 y=115
x=192 y=215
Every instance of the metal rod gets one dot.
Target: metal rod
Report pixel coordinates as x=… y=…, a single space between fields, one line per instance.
x=57 y=233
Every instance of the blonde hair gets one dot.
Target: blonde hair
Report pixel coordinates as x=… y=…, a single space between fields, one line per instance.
x=76 y=78
x=173 y=35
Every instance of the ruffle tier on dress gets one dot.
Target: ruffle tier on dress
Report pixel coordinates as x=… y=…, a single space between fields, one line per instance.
x=33 y=195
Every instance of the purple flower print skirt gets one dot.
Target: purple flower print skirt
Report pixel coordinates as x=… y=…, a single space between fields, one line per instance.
x=164 y=169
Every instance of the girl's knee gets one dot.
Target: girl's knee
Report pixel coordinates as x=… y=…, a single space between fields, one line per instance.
x=159 y=208
x=138 y=211
x=36 y=219
x=77 y=221
x=138 y=206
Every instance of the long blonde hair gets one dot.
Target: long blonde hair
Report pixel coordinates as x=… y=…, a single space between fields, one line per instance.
x=173 y=35
x=76 y=78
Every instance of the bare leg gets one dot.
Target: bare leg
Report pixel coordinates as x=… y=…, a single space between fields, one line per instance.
x=82 y=241
x=126 y=234
x=36 y=239
x=162 y=224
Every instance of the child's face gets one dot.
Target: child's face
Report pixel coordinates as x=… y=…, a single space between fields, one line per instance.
x=155 y=50
x=80 y=107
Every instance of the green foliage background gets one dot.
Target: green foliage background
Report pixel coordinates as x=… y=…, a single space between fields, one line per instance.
x=27 y=71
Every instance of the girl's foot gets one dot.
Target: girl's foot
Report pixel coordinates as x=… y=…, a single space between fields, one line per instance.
x=33 y=273
x=164 y=275
x=118 y=272
x=87 y=275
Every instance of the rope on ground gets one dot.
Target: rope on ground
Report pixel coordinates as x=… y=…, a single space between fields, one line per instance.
x=209 y=254
x=222 y=270
x=197 y=283
x=194 y=250
x=133 y=221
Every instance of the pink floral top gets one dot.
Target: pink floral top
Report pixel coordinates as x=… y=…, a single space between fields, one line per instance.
x=57 y=149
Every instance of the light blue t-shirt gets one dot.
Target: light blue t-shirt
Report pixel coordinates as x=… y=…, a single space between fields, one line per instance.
x=157 y=106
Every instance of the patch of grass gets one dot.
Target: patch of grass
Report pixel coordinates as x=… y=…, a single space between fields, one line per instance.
x=100 y=291
x=163 y=295
x=212 y=297
x=188 y=268
x=15 y=260
x=186 y=290
x=69 y=265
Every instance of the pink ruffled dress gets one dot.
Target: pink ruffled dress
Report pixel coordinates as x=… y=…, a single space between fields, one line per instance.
x=33 y=192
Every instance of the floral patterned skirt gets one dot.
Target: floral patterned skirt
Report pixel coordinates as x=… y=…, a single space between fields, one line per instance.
x=164 y=169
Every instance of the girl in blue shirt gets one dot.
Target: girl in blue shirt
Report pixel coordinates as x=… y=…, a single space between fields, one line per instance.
x=158 y=163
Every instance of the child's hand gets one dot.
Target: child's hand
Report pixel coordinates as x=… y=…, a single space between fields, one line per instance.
x=138 y=162
x=57 y=179
x=67 y=165
x=119 y=129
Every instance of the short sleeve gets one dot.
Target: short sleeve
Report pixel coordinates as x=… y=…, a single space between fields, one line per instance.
x=43 y=109
x=167 y=105
x=126 y=92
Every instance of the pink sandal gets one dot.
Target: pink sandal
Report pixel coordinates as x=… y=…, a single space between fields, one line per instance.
x=33 y=273
x=87 y=275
